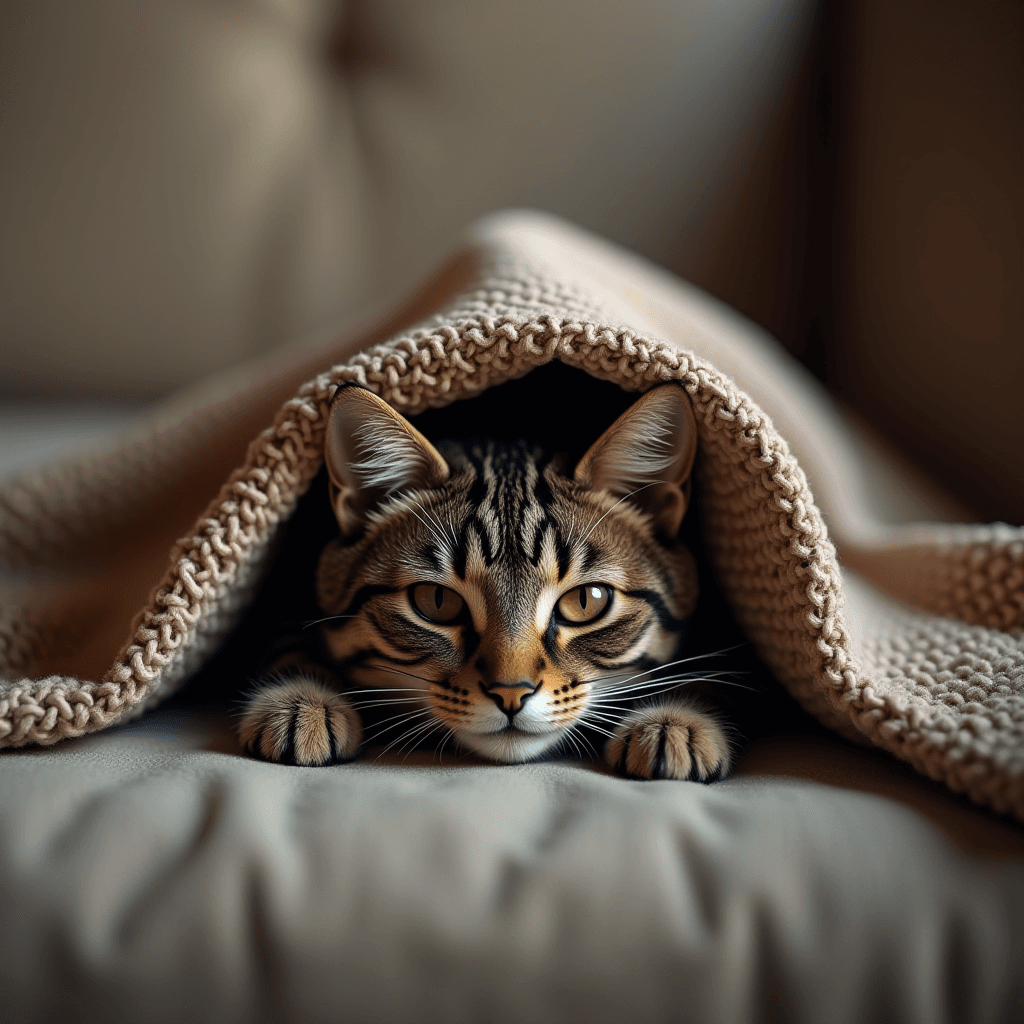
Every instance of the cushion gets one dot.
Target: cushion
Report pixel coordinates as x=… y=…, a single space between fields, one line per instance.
x=150 y=872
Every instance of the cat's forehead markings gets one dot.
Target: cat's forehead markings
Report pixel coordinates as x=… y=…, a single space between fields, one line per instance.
x=490 y=478
x=591 y=557
x=547 y=564
x=430 y=557
x=513 y=606
x=476 y=557
x=534 y=528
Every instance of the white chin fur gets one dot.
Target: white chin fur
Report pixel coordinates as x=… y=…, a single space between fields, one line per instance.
x=509 y=747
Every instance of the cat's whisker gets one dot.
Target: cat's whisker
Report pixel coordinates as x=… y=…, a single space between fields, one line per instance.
x=612 y=699
x=625 y=497
x=655 y=683
x=327 y=618
x=646 y=700
x=577 y=744
x=739 y=686
x=450 y=526
x=662 y=677
x=643 y=692
x=441 y=541
x=587 y=721
x=400 y=715
x=413 y=734
x=668 y=664
x=585 y=744
x=400 y=672
x=435 y=520
x=401 y=736
x=378 y=733
x=418 y=736
x=639 y=675
x=455 y=532
x=385 y=698
x=433 y=533
x=384 y=690
x=440 y=725
x=570 y=737
x=624 y=709
x=638 y=688
x=571 y=540
x=713 y=680
x=602 y=712
x=417 y=741
x=682 y=678
x=384 y=702
x=395 y=721
x=439 y=753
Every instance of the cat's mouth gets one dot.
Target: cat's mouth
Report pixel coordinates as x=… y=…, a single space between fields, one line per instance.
x=514 y=730
x=510 y=744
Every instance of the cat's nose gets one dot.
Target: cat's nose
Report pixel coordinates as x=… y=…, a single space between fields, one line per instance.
x=510 y=697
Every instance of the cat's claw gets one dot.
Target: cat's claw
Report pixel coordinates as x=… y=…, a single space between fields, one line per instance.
x=300 y=721
x=672 y=740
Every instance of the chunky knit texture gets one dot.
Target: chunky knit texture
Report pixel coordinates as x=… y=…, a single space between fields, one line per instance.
x=944 y=693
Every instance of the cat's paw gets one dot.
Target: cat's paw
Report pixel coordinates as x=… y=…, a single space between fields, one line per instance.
x=672 y=740
x=300 y=721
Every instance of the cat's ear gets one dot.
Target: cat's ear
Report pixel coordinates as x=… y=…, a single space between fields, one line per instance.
x=647 y=455
x=373 y=451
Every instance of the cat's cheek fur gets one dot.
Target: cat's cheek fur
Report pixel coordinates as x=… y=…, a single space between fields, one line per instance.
x=670 y=740
x=300 y=721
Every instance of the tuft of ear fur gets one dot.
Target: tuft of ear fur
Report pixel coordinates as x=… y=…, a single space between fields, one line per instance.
x=647 y=455
x=373 y=451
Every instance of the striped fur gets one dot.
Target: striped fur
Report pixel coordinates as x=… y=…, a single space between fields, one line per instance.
x=461 y=589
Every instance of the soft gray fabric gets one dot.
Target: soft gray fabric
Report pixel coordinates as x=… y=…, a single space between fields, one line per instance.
x=149 y=873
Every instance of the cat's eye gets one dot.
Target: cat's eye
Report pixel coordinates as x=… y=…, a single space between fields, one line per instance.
x=584 y=604
x=437 y=603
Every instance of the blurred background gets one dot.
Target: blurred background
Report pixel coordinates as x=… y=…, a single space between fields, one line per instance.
x=185 y=186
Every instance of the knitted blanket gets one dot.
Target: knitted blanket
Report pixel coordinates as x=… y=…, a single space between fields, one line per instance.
x=916 y=644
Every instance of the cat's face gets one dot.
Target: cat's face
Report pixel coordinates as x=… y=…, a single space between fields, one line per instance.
x=499 y=596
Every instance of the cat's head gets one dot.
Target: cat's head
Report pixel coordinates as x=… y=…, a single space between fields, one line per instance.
x=503 y=595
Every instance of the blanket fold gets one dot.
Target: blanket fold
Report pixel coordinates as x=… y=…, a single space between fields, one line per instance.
x=920 y=651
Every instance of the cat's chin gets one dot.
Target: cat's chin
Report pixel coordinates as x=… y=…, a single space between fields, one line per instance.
x=508 y=746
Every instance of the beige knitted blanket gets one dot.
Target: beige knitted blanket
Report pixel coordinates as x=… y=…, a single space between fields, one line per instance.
x=98 y=623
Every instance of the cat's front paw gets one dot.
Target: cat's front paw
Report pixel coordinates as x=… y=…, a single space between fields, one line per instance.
x=672 y=740
x=300 y=721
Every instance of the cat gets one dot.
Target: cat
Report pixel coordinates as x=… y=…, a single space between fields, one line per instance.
x=497 y=596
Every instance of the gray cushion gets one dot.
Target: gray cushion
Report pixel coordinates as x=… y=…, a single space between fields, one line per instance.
x=150 y=873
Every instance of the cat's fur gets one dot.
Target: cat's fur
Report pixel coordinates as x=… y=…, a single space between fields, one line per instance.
x=490 y=593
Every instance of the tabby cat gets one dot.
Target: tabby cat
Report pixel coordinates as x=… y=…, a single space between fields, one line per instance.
x=494 y=595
